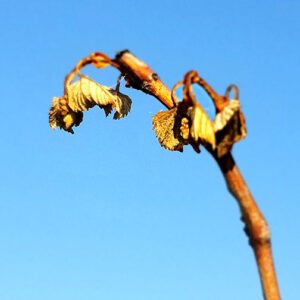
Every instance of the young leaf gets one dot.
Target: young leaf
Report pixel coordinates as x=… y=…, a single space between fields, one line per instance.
x=229 y=126
x=168 y=130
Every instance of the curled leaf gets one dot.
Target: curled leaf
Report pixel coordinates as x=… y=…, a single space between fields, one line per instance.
x=184 y=125
x=55 y=113
x=86 y=93
x=202 y=129
x=223 y=117
x=229 y=126
x=122 y=104
x=82 y=95
x=170 y=129
x=60 y=115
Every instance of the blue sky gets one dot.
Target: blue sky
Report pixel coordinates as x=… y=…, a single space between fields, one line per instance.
x=107 y=213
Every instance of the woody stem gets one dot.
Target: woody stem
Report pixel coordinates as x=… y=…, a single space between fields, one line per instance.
x=256 y=226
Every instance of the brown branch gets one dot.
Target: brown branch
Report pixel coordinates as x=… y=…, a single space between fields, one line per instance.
x=140 y=76
x=219 y=101
x=256 y=226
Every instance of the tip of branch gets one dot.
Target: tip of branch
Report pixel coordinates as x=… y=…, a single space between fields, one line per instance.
x=120 y=53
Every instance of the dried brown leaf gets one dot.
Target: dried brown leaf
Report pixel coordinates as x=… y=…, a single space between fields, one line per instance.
x=122 y=104
x=82 y=95
x=55 y=113
x=167 y=126
x=202 y=129
x=223 y=117
x=86 y=93
x=60 y=115
x=229 y=126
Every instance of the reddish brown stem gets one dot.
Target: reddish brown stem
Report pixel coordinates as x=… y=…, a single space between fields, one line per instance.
x=219 y=101
x=97 y=58
x=256 y=226
x=142 y=77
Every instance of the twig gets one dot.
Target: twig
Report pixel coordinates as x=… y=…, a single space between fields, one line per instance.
x=140 y=76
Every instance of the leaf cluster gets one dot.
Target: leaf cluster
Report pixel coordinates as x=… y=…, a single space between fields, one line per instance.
x=186 y=123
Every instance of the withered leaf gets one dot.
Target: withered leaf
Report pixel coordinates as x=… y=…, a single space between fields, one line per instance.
x=86 y=93
x=60 y=115
x=226 y=114
x=170 y=129
x=229 y=126
x=122 y=104
x=55 y=113
x=81 y=95
x=202 y=128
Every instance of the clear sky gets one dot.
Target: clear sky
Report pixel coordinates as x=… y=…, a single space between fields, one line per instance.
x=106 y=213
